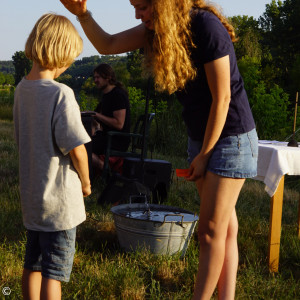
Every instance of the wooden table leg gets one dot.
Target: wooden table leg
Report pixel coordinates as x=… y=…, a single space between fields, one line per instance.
x=275 y=226
x=298 y=230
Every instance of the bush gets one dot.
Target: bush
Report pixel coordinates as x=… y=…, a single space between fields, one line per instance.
x=168 y=132
x=86 y=102
x=169 y=135
x=6 y=103
x=269 y=103
x=271 y=112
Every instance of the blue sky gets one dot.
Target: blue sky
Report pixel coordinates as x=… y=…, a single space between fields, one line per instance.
x=17 y=18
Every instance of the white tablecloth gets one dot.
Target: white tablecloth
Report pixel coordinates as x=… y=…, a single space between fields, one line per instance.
x=276 y=159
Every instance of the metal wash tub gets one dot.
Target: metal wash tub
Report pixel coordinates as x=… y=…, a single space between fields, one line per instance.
x=159 y=228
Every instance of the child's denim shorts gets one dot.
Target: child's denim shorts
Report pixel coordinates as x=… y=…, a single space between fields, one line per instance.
x=233 y=156
x=51 y=253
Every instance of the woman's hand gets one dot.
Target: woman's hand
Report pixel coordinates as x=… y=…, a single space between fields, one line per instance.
x=198 y=167
x=76 y=7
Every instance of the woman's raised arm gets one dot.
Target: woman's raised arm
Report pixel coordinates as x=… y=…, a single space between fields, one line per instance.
x=104 y=42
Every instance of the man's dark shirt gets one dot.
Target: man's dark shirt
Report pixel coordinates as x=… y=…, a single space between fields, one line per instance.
x=116 y=99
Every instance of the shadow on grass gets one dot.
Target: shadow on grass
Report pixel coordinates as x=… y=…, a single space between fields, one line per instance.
x=96 y=236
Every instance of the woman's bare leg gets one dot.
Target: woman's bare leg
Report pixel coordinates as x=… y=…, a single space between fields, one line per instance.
x=218 y=198
x=227 y=280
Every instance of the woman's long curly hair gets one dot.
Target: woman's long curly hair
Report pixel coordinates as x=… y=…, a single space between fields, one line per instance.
x=168 y=49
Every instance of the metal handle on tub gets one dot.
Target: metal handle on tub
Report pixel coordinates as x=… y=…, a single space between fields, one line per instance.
x=173 y=215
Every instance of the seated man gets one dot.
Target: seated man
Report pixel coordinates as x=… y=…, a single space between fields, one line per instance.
x=112 y=114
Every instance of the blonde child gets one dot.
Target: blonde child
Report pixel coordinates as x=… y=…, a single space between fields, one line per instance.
x=53 y=164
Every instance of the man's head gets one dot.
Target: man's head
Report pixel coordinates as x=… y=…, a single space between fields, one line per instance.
x=53 y=42
x=104 y=76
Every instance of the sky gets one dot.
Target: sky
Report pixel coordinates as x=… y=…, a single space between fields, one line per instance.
x=17 y=18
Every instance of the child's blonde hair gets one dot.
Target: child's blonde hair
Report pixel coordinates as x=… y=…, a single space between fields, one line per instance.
x=53 y=42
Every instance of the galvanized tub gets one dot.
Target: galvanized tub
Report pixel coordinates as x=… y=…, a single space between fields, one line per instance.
x=161 y=229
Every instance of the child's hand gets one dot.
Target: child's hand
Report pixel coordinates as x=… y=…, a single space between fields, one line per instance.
x=80 y=161
x=86 y=191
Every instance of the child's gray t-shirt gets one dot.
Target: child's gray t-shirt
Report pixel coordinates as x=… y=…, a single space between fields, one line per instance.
x=47 y=127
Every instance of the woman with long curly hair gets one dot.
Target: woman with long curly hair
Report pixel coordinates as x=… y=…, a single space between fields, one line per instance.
x=188 y=46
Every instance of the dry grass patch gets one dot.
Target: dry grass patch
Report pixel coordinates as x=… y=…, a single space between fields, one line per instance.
x=171 y=270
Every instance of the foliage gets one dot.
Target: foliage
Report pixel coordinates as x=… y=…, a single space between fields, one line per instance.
x=138 y=104
x=89 y=87
x=250 y=69
x=2 y=78
x=294 y=75
x=7 y=79
x=169 y=133
x=22 y=65
x=84 y=67
x=249 y=36
x=7 y=67
x=269 y=106
x=270 y=111
x=65 y=79
x=281 y=32
x=87 y=103
x=6 y=103
x=122 y=73
x=134 y=67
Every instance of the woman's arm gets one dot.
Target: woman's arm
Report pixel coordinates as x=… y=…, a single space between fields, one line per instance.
x=218 y=77
x=104 y=42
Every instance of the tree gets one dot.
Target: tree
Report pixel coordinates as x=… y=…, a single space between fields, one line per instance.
x=122 y=73
x=134 y=67
x=250 y=69
x=271 y=112
x=6 y=66
x=249 y=35
x=294 y=76
x=9 y=79
x=281 y=33
x=22 y=65
x=2 y=78
x=65 y=79
x=269 y=105
x=89 y=87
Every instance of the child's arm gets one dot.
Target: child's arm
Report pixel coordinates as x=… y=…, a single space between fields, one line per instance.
x=80 y=161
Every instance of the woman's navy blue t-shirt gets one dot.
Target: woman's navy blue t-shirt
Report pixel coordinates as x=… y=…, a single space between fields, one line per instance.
x=212 y=42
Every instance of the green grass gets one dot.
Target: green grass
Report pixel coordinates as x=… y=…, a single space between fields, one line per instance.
x=102 y=270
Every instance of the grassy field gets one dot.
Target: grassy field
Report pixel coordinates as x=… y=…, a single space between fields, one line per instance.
x=102 y=270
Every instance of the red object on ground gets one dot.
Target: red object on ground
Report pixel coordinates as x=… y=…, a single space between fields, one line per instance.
x=115 y=163
x=182 y=172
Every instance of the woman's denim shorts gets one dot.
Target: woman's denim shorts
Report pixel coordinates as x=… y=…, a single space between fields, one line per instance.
x=233 y=156
x=51 y=253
